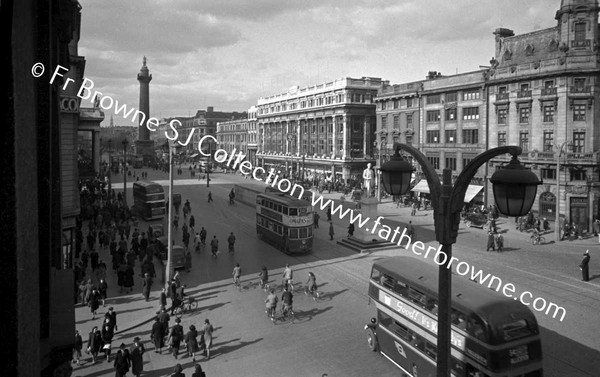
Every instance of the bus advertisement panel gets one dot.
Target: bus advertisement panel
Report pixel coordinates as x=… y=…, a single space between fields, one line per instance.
x=491 y=335
x=284 y=221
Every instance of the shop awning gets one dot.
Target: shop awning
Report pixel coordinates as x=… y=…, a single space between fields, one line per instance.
x=472 y=191
x=422 y=186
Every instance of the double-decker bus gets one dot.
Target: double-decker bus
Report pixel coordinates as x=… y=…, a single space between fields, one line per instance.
x=285 y=222
x=491 y=335
x=149 y=200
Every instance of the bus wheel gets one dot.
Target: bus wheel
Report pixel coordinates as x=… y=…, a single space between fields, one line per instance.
x=372 y=340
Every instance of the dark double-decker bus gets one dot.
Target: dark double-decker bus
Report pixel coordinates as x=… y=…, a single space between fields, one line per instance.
x=149 y=200
x=285 y=222
x=491 y=335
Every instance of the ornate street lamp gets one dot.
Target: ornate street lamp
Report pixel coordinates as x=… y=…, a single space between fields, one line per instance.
x=109 y=167
x=125 y=144
x=514 y=190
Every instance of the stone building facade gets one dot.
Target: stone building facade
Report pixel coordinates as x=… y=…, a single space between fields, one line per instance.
x=323 y=129
x=544 y=88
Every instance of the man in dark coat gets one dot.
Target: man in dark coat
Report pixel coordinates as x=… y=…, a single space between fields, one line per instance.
x=111 y=315
x=164 y=318
x=157 y=334
x=147 y=286
x=176 y=337
x=163 y=298
x=107 y=336
x=94 y=343
x=122 y=361
x=584 y=266
x=136 y=355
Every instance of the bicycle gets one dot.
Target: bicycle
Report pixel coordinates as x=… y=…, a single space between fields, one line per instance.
x=263 y=284
x=287 y=314
x=536 y=239
x=313 y=292
x=187 y=305
x=288 y=283
x=271 y=313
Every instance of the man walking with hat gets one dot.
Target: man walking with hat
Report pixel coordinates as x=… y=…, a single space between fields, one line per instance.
x=584 y=266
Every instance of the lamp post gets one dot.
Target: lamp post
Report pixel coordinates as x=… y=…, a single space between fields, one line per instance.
x=560 y=149
x=125 y=143
x=514 y=191
x=169 y=266
x=109 y=167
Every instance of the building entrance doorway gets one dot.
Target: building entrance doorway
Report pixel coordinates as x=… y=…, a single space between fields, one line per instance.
x=579 y=212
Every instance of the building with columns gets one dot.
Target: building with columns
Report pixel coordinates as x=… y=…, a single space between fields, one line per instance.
x=544 y=88
x=233 y=134
x=322 y=129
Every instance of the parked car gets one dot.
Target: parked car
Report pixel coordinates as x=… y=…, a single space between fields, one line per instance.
x=476 y=220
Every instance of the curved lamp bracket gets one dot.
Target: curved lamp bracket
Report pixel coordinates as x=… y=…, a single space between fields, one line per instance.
x=435 y=186
x=464 y=178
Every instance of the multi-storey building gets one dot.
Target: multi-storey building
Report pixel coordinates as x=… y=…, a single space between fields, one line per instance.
x=540 y=92
x=327 y=128
x=543 y=92
x=202 y=124
x=252 y=135
x=43 y=124
x=233 y=134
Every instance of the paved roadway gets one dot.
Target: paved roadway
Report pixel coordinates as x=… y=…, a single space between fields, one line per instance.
x=327 y=336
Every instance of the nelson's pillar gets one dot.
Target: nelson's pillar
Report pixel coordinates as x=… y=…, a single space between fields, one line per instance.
x=144 y=145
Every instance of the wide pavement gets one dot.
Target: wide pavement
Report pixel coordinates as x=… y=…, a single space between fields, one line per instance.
x=327 y=336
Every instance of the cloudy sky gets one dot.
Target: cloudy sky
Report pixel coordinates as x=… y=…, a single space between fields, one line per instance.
x=228 y=53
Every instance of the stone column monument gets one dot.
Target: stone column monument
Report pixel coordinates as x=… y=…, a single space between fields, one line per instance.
x=144 y=146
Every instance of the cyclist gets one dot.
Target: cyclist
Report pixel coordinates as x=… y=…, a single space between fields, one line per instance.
x=237 y=272
x=287 y=300
x=311 y=284
x=264 y=277
x=287 y=277
x=214 y=246
x=271 y=303
x=231 y=242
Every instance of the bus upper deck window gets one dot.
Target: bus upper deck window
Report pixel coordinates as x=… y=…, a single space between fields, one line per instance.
x=303 y=212
x=293 y=211
x=285 y=210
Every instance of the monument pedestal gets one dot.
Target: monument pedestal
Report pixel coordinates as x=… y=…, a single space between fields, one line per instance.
x=145 y=148
x=363 y=240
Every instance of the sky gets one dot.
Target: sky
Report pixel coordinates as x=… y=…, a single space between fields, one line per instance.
x=229 y=53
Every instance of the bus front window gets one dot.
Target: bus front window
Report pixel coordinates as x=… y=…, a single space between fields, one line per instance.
x=293 y=211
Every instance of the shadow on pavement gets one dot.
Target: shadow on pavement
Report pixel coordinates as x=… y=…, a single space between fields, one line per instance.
x=218 y=350
x=307 y=315
x=328 y=296
x=213 y=306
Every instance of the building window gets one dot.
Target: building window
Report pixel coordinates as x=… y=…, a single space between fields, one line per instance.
x=549 y=113
x=471 y=113
x=501 y=89
x=548 y=84
x=524 y=140
x=434 y=161
x=501 y=139
x=450 y=136
x=433 y=136
x=382 y=105
x=433 y=116
x=470 y=136
x=434 y=98
x=578 y=142
x=396 y=122
x=579 y=82
x=451 y=114
x=409 y=102
x=524 y=114
x=548 y=141
x=396 y=104
x=451 y=163
x=383 y=123
x=548 y=173
x=409 y=120
x=467 y=161
x=579 y=112
x=409 y=139
x=502 y=115
x=577 y=175
x=452 y=97
x=580 y=31
x=471 y=95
